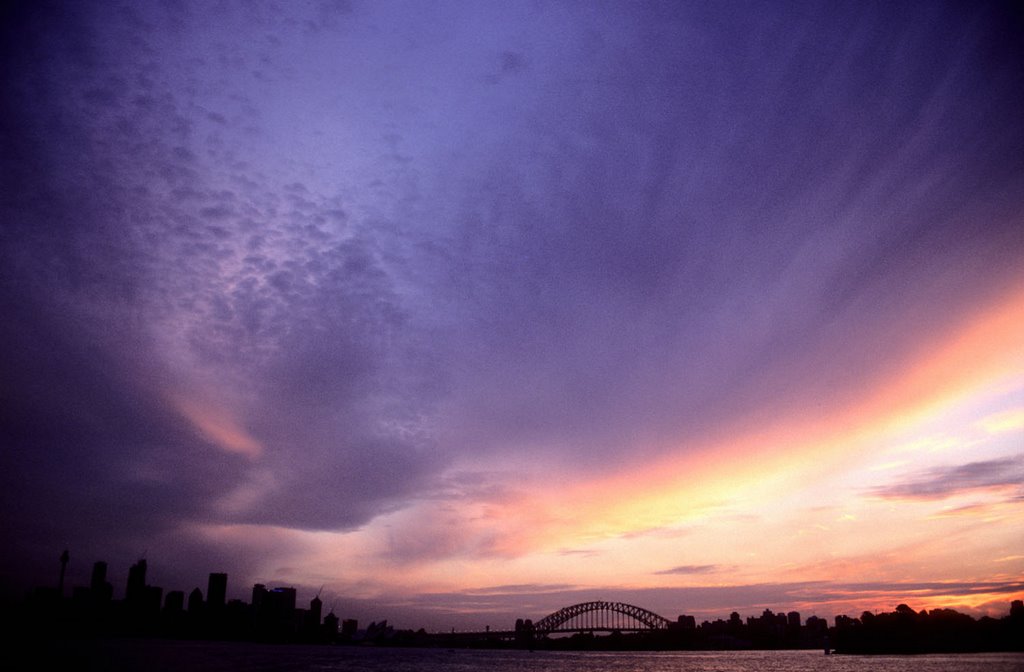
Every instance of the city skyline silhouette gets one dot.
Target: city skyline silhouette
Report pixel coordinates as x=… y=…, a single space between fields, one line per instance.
x=273 y=615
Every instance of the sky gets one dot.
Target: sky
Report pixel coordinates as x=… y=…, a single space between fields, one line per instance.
x=462 y=312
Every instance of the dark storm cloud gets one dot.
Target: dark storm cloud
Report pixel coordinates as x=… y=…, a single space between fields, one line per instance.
x=90 y=459
x=119 y=241
x=943 y=482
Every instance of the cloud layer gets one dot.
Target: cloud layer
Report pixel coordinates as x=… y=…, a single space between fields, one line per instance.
x=414 y=272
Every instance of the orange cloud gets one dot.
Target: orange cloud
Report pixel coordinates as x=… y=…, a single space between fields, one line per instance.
x=986 y=352
x=218 y=427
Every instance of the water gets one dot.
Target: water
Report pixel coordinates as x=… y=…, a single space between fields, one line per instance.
x=172 y=656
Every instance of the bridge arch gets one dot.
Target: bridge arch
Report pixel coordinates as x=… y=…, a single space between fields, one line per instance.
x=600 y=615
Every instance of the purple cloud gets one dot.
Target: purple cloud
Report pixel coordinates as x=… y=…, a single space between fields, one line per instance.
x=943 y=482
x=692 y=569
x=385 y=241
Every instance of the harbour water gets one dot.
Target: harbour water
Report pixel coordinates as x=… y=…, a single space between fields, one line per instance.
x=174 y=656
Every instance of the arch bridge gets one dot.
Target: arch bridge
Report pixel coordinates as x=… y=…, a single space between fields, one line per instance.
x=600 y=616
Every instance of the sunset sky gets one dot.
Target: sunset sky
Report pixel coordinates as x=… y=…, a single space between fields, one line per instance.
x=467 y=311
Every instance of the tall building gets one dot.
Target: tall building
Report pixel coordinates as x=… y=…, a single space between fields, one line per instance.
x=174 y=603
x=99 y=575
x=151 y=599
x=135 y=592
x=313 y=615
x=65 y=557
x=330 y=626
x=195 y=601
x=283 y=599
x=279 y=609
x=216 y=590
x=259 y=591
x=99 y=587
x=315 y=609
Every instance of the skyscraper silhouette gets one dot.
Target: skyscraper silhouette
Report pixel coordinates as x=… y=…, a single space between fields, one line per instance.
x=99 y=575
x=100 y=588
x=216 y=590
x=64 y=558
x=135 y=591
x=195 y=601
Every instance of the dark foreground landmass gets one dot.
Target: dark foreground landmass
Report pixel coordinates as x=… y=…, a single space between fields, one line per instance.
x=273 y=617
x=902 y=631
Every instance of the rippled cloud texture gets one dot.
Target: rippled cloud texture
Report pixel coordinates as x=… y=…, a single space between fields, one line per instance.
x=467 y=309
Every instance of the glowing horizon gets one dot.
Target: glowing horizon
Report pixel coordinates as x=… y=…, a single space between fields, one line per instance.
x=659 y=502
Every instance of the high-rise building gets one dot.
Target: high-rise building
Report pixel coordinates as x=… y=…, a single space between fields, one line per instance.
x=135 y=592
x=99 y=587
x=151 y=599
x=65 y=557
x=313 y=615
x=174 y=603
x=283 y=599
x=216 y=590
x=195 y=601
x=330 y=625
x=99 y=575
x=259 y=593
x=279 y=609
